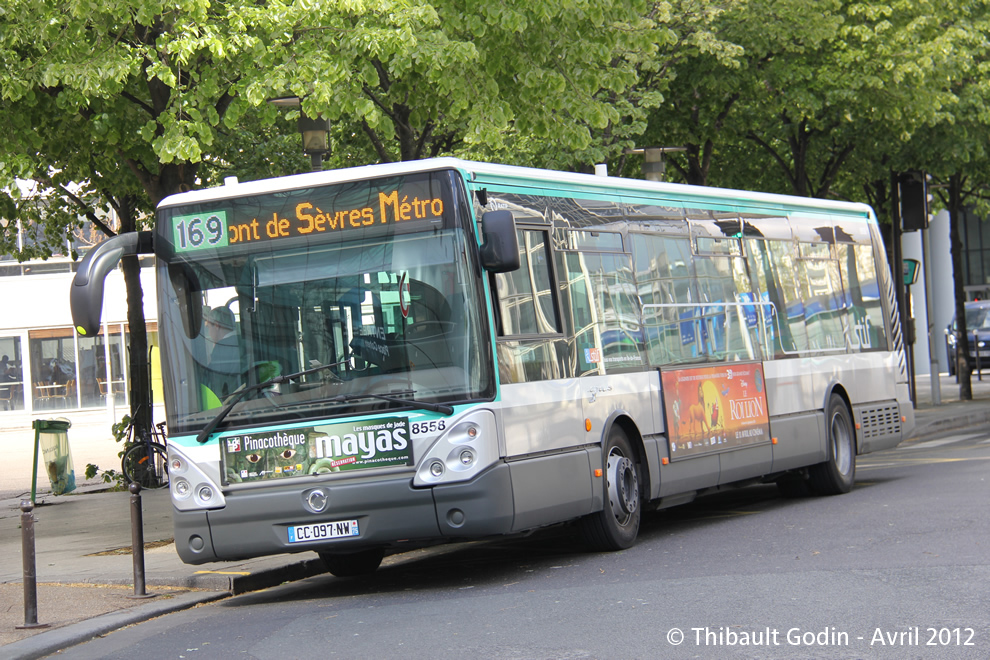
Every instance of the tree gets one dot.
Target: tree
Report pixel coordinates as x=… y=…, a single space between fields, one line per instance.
x=951 y=143
x=139 y=99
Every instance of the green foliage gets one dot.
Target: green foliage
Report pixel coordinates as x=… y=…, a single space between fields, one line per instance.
x=114 y=477
x=818 y=107
x=140 y=99
x=121 y=431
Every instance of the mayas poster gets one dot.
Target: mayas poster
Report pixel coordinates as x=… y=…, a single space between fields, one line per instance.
x=714 y=408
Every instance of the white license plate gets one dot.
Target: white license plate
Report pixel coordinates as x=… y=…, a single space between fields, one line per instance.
x=321 y=531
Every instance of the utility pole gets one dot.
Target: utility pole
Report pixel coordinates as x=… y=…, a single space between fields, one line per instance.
x=897 y=252
x=914 y=205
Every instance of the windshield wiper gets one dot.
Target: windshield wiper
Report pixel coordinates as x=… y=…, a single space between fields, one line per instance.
x=208 y=430
x=441 y=408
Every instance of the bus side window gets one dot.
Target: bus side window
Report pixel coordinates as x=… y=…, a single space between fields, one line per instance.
x=790 y=317
x=665 y=285
x=867 y=330
x=824 y=313
x=579 y=315
x=525 y=296
x=529 y=329
x=607 y=326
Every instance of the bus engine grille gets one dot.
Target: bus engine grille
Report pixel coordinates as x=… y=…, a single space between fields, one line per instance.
x=880 y=421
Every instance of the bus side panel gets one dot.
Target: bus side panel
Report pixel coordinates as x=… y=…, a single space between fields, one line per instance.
x=551 y=489
x=541 y=416
x=744 y=463
x=799 y=385
x=689 y=475
x=547 y=415
x=870 y=377
x=800 y=440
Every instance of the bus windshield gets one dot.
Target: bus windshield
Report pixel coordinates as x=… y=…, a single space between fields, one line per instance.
x=374 y=321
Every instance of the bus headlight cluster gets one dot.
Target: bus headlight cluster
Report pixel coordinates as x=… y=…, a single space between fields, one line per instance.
x=466 y=449
x=191 y=487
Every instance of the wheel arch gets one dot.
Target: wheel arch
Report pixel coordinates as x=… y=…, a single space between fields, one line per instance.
x=623 y=420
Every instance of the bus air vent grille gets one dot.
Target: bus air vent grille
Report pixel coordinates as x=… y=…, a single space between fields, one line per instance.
x=880 y=422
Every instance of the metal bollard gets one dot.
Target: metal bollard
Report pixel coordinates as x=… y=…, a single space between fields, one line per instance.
x=30 y=571
x=137 y=542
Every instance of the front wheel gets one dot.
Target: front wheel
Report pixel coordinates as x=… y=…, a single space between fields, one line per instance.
x=837 y=474
x=615 y=527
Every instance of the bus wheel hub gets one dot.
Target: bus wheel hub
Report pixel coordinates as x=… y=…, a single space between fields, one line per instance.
x=623 y=486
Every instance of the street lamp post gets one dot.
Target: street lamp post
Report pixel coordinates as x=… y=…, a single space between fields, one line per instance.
x=653 y=165
x=315 y=131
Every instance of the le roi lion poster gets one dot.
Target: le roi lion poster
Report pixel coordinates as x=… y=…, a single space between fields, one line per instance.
x=715 y=408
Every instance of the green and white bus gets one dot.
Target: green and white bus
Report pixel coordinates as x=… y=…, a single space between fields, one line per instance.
x=401 y=354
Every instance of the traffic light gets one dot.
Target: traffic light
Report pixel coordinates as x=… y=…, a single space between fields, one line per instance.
x=914 y=200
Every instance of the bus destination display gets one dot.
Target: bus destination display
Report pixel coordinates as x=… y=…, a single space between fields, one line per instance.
x=311 y=217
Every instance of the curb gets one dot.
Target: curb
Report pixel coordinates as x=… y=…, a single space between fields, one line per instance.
x=952 y=420
x=209 y=586
x=238 y=582
x=52 y=641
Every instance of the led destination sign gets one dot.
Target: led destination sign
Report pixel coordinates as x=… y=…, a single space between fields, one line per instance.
x=319 y=214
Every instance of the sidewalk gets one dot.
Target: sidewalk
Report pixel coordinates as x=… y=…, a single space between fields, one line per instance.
x=84 y=568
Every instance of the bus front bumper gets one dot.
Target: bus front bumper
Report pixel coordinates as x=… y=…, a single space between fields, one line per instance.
x=256 y=522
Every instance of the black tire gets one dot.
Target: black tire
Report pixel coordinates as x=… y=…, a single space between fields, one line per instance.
x=362 y=562
x=146 y=464
x=838 y=473
x=615 y=527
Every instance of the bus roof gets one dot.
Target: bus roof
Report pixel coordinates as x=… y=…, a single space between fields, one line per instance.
x=479 y=174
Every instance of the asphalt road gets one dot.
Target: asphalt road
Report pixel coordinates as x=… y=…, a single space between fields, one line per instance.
x=898 y=568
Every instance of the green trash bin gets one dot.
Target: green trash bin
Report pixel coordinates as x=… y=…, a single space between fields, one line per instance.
x=53 y=437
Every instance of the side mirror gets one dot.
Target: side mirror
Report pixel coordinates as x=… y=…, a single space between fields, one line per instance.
x=86 y=294
x=500 y=251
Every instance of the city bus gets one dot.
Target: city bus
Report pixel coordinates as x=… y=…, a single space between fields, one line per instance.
x=378 y=358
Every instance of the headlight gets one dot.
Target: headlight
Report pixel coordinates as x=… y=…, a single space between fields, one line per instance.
x=192 y=489
x=466 y=449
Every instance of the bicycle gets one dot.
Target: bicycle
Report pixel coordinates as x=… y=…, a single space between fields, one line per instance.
x=146 y=461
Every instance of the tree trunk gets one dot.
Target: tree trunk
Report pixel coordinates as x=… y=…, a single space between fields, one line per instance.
x=171 y=178
x=137 y=345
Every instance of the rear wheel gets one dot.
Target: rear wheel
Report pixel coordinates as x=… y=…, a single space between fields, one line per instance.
x=362 y=562
x=615 y=527
x=837 y=474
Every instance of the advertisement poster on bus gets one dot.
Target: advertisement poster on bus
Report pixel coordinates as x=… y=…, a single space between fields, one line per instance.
x=322 y=449
x=715 y=408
